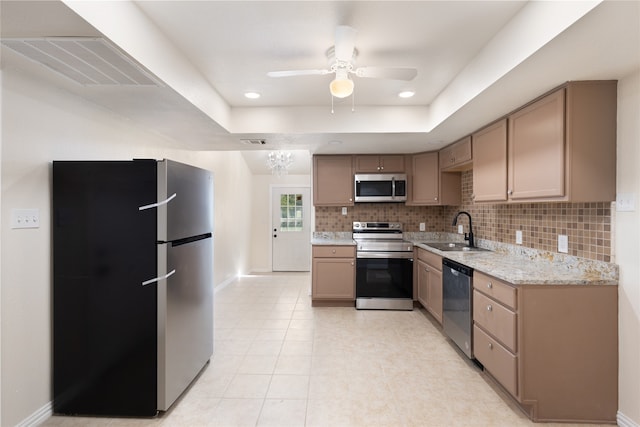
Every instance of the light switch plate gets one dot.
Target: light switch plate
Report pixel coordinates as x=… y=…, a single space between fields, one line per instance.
x=422 y=226
x=563 y=243
x=25 y=218
x=344 y=210
x=518 y=237
x=460 y=229
x=626 y=202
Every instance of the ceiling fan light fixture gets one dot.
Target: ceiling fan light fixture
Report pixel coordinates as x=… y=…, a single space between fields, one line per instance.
x=342 y=85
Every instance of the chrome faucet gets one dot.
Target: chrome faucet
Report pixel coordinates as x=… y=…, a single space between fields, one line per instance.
x=467 y=236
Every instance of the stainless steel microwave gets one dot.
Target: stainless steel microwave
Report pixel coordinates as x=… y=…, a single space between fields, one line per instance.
x=385 y=187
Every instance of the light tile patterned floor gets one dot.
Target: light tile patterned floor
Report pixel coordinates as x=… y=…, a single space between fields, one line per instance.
x=280 y=362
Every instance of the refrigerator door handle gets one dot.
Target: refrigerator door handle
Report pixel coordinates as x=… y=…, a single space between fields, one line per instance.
x=157 y=279
x=155 y=205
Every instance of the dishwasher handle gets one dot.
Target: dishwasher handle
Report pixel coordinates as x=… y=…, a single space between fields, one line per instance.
x=455 y=266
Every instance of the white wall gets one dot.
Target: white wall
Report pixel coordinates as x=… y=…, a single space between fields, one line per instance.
x=42 y=123
x=261 y=216
x=627 y=247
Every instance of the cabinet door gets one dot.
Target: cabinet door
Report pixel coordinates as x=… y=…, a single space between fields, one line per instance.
x=392 y=164
x=457 y=154
x=332 y=181
x=333 y=278
x=425 y=179
x=434 y=299
x=490 y=163
x=422 y=274
x=367 y=164
x=537 y=149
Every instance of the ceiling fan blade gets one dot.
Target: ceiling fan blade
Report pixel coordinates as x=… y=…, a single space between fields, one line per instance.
x=387 y=73
x=290 y=73
x=345 y=42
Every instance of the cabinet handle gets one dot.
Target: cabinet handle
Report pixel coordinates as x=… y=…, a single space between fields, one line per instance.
x=489 y=308
x=490 y=346
x=489 y=285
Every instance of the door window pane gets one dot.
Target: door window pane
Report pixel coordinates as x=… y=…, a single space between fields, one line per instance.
x=291 y=209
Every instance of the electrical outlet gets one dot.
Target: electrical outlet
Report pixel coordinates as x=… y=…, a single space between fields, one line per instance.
x=460 y=229
x=518 y=237
x=626 y=202
x=25 y=218
x=344 y=210
x=422 y=226
x=563 y=243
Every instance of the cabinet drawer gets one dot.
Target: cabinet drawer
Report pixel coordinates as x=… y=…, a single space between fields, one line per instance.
x=496 y=319
x=495 y=288
x=499 y=361
x=430 y=258
x=320 y=251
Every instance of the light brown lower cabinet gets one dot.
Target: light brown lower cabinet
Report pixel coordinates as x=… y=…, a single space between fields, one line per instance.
x=554 y=348
x=429 y=282
x=333 y=275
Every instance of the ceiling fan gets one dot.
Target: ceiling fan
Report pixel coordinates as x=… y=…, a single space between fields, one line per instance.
x=341 y=58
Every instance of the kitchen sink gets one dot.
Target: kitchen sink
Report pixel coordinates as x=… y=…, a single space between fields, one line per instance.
x=454 y=247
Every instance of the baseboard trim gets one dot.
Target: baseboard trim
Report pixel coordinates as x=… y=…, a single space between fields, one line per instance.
x=38 y=417
x=624 y=421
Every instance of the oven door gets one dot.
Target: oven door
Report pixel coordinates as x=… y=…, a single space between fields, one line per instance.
x=384 y=276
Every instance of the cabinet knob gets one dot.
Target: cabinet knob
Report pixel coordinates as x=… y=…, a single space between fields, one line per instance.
x=352 y=263
x=426 y=269
x=490 y=346
x=489 y=285
x=435 y=198
x=510 y=192
x=351 y=200
x=333 y=251
x=381 y=168
x=489 y=308
x=473 y=196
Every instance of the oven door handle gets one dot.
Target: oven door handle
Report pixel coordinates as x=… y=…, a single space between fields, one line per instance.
x=378 y=255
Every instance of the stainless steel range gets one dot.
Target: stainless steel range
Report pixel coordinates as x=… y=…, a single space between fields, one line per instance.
x=384 y=267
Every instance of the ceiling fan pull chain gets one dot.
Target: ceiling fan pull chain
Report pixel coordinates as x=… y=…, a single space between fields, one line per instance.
x=331 y=104
x=353 y=102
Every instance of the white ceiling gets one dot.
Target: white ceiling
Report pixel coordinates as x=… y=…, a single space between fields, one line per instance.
x=476 y=61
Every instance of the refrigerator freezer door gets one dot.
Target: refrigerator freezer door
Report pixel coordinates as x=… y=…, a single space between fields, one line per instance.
x=190 y=212
x=185 y=317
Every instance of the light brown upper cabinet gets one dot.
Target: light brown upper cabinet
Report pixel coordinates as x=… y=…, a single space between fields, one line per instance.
x=332 y=181
x=379 y=164
x=457 y=156
x=429 y=186
x=562 y=147
x=490 y=163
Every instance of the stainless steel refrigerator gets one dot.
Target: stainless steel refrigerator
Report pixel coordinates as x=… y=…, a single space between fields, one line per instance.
x=132 y=284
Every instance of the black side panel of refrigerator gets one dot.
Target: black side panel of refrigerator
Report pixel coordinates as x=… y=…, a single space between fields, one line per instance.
x=104 y=320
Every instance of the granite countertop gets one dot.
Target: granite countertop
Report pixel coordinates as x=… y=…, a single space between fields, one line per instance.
x=512 y=263
x=333 y=238
x=525 y=266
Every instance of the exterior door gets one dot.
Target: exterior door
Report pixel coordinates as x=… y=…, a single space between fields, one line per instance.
x=290 y=229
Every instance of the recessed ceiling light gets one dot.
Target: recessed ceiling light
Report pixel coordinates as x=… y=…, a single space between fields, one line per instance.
x=252 y=95
x=334 y=142
x=406 y=94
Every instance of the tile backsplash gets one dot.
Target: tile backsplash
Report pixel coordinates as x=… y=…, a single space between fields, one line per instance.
x=587 y=225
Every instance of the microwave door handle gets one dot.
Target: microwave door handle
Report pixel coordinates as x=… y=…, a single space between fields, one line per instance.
x=393 y=187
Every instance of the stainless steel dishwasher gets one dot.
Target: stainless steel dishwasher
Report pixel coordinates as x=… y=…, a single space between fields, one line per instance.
x=457 y=294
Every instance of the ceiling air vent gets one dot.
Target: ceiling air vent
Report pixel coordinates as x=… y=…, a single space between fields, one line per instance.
x=87 y=61
x=253 y=141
